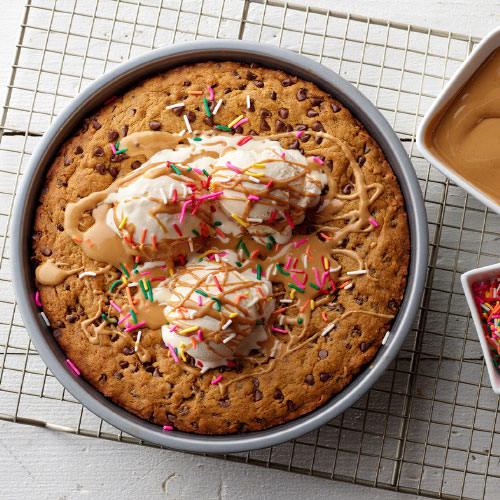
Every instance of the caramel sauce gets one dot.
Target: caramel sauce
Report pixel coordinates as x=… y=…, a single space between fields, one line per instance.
x=465 y=134
x=108 y=247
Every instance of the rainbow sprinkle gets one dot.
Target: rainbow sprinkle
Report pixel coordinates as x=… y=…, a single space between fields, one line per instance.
x=72 y=366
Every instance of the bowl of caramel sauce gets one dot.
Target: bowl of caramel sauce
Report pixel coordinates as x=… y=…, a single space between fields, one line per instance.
x=460 y=134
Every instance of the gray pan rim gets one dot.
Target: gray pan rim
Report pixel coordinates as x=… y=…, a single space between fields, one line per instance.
x=119 y=79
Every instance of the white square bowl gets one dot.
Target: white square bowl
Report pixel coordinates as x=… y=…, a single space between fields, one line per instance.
x=468 y=279
x=480 y=53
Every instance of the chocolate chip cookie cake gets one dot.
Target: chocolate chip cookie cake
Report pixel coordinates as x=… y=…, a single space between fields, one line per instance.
x=221 y=248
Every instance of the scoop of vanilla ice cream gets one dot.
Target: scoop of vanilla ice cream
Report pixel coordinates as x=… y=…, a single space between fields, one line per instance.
x=226 y=334
x=248 y=198
x=137 y=199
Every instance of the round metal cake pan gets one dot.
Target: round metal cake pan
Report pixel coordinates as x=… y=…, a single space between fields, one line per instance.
x=115 y=82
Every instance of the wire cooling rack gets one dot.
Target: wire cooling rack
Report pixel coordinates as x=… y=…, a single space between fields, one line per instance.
x=429 y=426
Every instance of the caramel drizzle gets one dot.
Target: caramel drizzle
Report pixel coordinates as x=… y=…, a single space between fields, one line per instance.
x=93 y=336
x=148 y=143
x=49 y=272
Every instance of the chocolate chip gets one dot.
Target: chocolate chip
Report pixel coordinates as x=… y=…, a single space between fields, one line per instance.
x=288 y=128
x=287 y=82
x=136 y=368
x=135 y=165
x=257 y=395
x=150 y=369
x=85 y=126
x=154 y=125
x=278 y=125
x=328 y=163
x=103 y=377
x=101 y=168
x=324 y=377
x=355 y=331
x=195 y=388
x=272 y=95
x=336 y=108
x=131 y=111
x=171 y=417
x=301 y=94
x=78 y=150
x=124 y=364
x=178 y=111
x=265 y=113
x=294 y=144
x=283 y=113
x=113 y=171
x=225 y=403
x=47 y=252
x=118 y=375
x=311 y=113
x=239 y=129
x=316 y=101
x=290 y=405
x=318 y=127
x=392 y=305
x=57 y=333
x=60 y=227
x=227 y=91
x=348 y=346
x=157 y=372
x=60 y=324
x=364 y=346
x=278 y=395
x=67 y=161
x=300 y=127
x=95 y=124
x=255 y=382
x=187 y=83
x=191 y=116
x=184 y=410
x=361 y=160
x=98 y=151
x=209 y=120
x=347 y=189
x=112 y=135
x=119 y=158
x=128 y=351
x=264 y=125
x=241 y=87
x=252 y=132
x=309 y=379
x=250 y=76
x=359 y=300
x=367 y=149
x=125 y=130
x=114 y=337
x=71 y=318
x=322 y=354
x=304 y=138
x=258 y=83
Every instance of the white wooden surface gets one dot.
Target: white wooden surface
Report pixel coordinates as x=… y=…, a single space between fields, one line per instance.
x=42 y=464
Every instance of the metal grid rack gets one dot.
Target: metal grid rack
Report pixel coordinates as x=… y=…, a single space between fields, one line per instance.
x=429 y=426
